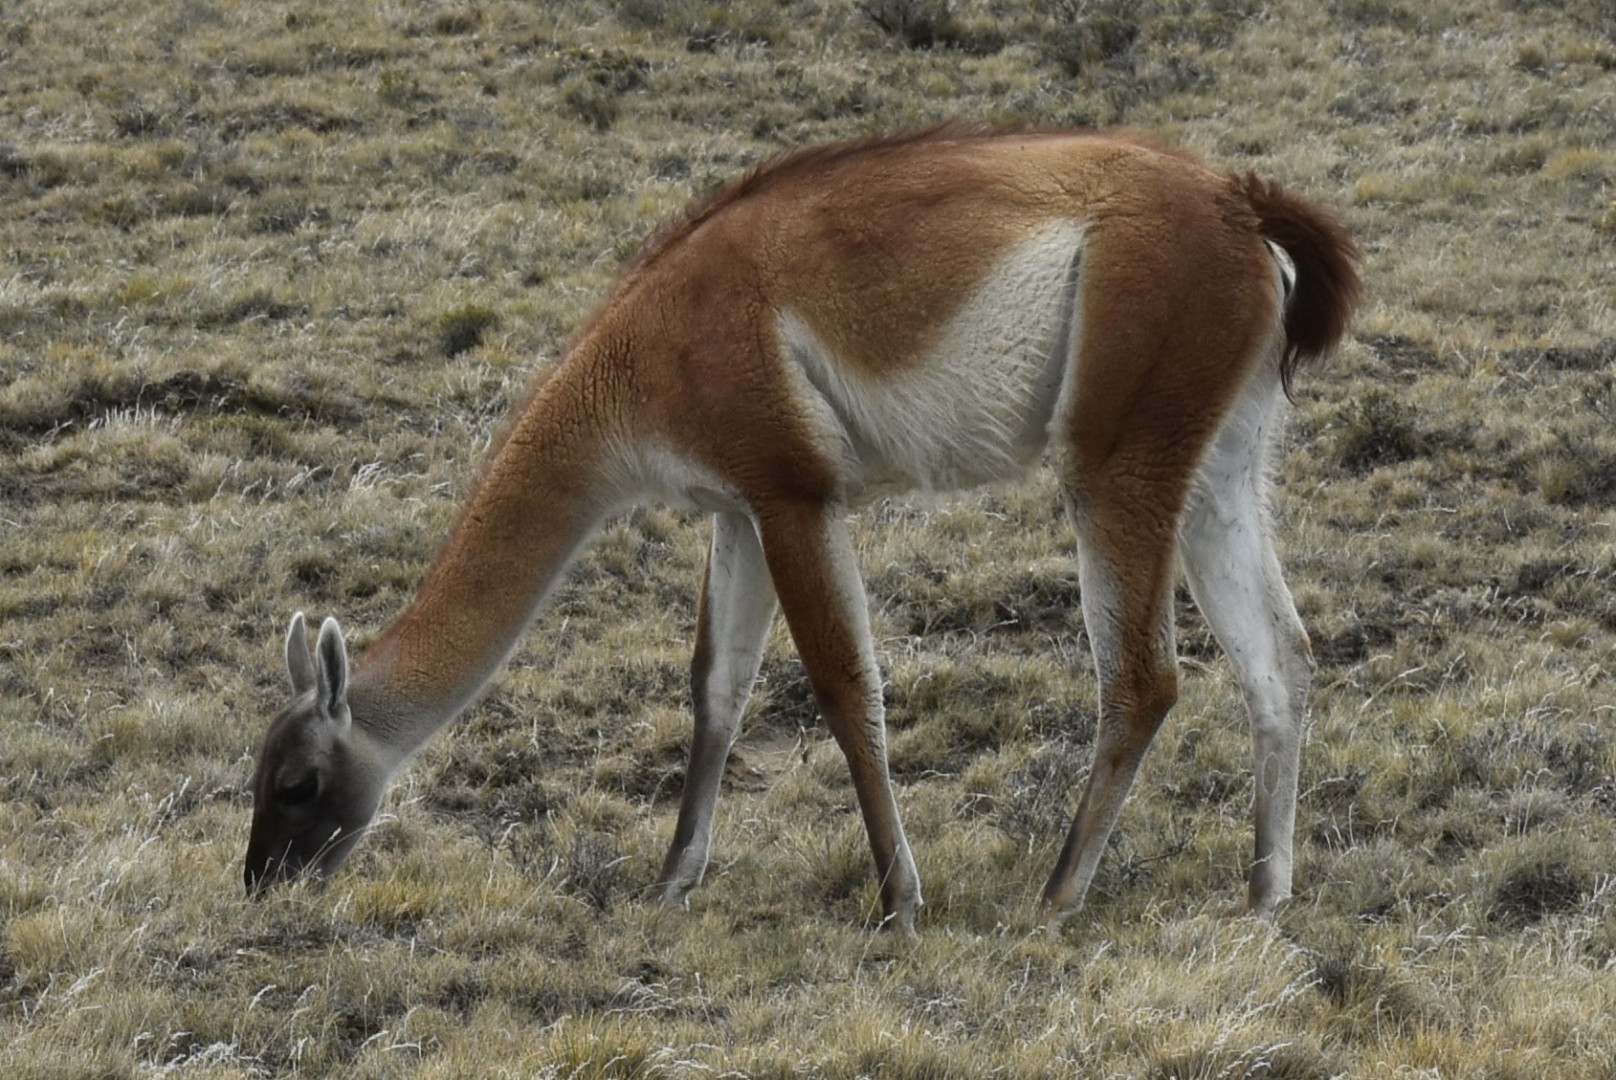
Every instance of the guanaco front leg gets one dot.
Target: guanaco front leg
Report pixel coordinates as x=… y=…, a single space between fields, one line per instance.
x=737 y=605
x=811 y=559
x=1129 y=619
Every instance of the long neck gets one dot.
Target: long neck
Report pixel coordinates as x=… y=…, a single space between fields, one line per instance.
x=545 y=491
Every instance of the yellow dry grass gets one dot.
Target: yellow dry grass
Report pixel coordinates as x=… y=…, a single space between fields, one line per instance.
x=272 y=274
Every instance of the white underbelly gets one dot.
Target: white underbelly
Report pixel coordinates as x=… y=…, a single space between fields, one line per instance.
x=978 y=406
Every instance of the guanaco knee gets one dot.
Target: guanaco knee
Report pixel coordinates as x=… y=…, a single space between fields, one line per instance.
x=1153 y=693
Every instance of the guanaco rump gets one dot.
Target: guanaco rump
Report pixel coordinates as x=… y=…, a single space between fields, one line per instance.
x=927 y=311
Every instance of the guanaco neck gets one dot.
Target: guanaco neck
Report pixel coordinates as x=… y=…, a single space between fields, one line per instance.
x=545 y=491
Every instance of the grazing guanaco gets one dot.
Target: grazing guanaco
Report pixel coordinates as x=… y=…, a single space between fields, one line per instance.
x=928 y=311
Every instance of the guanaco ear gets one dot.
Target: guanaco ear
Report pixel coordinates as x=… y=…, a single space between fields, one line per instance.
x=299 y=664
x=333 y=671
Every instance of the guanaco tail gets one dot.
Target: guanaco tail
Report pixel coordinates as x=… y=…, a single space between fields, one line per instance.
x=928 y=311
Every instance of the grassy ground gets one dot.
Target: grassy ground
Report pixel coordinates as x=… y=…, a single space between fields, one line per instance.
x=272 y=272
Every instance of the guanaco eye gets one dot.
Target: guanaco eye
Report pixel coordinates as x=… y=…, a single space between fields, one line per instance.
x=299 y=793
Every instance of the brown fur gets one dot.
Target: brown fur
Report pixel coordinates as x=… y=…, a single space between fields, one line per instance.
x=809 y=161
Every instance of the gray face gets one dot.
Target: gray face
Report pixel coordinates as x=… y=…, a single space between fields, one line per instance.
x=311 y=801
x=313 y=795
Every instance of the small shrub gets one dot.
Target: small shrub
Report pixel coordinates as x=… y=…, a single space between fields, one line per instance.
x=315 y=570
x=594 y=869
x=13 y=162
x=462 y=329
x=1540 y=884
x=1373 y=13
x=721 y=24
x=1575 y=163
x=136 y=120
x=457 y=23
x=1093 y=42
x=642 y=14
x=280 y=214
x=617 y=70
x=1577 y=473
x=1375 y=429
x=1533 y=56
x=1525 y=156
x=592 y=103
x=1279 y=1061
x=196 y=200
x=256 y=304
x=1556 y=479
x=397 y=87
x=1033 y=807
x=121 y=211
x=919 y=24
x=671 y=165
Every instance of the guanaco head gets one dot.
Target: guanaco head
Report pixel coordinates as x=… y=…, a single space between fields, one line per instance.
x=314 y=790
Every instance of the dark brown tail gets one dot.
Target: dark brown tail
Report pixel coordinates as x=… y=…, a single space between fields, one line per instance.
x=1319 y=309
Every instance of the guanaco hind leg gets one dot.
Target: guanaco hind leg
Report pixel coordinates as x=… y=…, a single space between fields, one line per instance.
x=1237 y=583
x=811 y=559
x=1129 y=618
x=737 y=605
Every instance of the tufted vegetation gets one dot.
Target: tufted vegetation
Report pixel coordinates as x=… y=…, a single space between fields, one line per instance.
x=273 y=272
